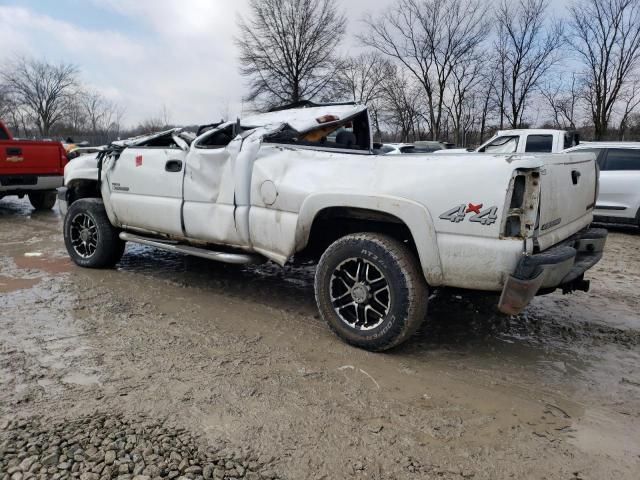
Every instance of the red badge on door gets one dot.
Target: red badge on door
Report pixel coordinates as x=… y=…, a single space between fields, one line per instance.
x=138 y=160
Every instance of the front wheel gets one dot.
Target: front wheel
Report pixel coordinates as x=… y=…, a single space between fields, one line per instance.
x=43 y=200
x=371 y=291
x=91 y=240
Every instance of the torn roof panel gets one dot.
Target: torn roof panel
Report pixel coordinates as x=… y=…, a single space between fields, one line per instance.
x=302 y=119
x=145 y=138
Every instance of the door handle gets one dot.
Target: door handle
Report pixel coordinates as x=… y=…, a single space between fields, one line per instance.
x=14 y=151
x=173 y=166
x=575 y=176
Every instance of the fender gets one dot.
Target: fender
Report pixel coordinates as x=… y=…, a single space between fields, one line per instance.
x=414 y=215
x=85 y=168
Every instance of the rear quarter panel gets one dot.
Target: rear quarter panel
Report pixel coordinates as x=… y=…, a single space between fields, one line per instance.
x=458 y=253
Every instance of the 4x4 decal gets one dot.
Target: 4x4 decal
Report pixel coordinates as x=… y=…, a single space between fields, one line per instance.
x=486 y=217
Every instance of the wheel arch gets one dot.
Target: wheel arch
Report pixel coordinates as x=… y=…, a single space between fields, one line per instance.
x=79 y=188
x=364 y=211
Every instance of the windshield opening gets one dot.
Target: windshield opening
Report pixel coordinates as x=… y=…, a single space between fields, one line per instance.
x=507 y=144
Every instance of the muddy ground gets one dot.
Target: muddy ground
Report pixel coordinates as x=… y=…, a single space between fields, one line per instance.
x=239 y=358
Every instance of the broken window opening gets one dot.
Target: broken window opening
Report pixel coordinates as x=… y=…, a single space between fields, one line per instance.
x=165 y=141
x=350 y=134
x=220 y=138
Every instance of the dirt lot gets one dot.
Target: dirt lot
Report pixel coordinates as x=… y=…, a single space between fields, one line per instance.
x=176 y=366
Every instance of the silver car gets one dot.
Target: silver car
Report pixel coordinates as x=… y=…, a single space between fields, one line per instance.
x=619 y=198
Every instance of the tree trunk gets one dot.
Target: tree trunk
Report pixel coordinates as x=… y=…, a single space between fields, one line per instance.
x=600 y=129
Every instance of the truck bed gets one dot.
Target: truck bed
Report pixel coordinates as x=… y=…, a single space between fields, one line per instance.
x=29 y=165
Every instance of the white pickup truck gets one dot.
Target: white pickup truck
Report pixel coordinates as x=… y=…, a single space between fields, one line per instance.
x=304 y=183
x=524 y=140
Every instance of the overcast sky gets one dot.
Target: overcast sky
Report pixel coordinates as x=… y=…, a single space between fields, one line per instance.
x=147 y=53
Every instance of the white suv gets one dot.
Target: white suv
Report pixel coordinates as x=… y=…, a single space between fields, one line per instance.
x=619 y=198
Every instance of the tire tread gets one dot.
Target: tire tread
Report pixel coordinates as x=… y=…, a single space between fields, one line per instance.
x=111 y=247
x=43 y=200
x=416 y=289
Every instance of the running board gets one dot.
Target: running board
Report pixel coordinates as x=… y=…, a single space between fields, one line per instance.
x=224 y=257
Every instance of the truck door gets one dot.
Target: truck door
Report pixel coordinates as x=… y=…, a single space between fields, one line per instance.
x=145 y=185
x=619 y=182
x=210 y=208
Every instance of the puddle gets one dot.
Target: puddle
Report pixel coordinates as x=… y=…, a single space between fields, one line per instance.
x=10 y=284
x=48 y=264
x=78 y=378
x=45 y=343
x=601 y=434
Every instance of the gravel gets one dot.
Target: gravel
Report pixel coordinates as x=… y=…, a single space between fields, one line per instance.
x=106 y=446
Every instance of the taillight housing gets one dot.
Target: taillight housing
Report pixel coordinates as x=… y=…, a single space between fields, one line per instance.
x=523 y=202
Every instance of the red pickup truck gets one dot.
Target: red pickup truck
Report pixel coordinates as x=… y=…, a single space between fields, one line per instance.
x=31 y=168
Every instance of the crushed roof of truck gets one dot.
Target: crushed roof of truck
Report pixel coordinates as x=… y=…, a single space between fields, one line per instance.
x=304 y=119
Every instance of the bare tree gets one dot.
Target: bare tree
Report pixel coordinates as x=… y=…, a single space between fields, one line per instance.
x=95 y=107
x=630 y=102
x=633 y=125
x=361 y=79
x=288 y=49
x=500 y=64
x=165 y=116
x=461 y=106
x=156 y=123
x=401 y=102
x=43 y=89
x=563 y=101
x=528 y=48
x=102 y=116
x=488 y=104
x=113 y=122
x=13 y=115
x=606 y=36
x=430 y=38
x=76 y=118
x=5 y=102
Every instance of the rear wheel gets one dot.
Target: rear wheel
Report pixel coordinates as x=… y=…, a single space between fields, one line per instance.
x=371 y=291
x=43 y=200
x=91 y=240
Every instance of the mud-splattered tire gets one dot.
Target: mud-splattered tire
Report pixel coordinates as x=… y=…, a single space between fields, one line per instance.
x=353 y=300
x=91 y=240
x=43 y=200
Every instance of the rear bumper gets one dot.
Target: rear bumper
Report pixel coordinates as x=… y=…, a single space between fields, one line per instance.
x=20 y=184
x=562 y=266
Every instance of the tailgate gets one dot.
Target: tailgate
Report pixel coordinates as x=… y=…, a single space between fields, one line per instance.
x=31 y=158
x=567 y=197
